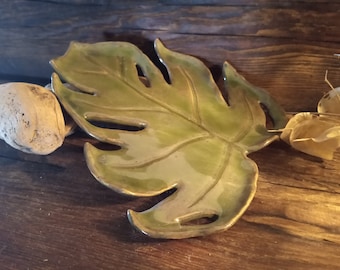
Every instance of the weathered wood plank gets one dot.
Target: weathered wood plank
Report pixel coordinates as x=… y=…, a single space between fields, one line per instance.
x=182 y=2
x=48 y=19
x=291 y=71
x=307 y=191
x=50 y=218
x=237 y=2
x=33 y=32
x=262 y=42
x=55 y=215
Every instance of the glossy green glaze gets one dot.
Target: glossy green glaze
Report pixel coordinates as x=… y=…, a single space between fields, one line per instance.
x=189 y=138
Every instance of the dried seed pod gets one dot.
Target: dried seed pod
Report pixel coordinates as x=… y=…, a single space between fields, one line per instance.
x=31 y=119
x=312 y=134
x=330 y=102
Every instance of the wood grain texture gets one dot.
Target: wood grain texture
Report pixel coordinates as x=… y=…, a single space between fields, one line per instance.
x=55 y=215
x=281 y=47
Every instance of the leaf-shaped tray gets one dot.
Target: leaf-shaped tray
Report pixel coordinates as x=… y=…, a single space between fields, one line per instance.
x=186 y=137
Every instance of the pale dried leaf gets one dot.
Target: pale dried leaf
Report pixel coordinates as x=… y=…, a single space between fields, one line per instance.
x=313 y=135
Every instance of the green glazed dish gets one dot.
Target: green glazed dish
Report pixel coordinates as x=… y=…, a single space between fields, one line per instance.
x=180 y=136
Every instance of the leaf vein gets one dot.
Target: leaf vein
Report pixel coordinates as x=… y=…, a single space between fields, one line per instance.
x=219 y=172
x=163 y=155
x=246 y=123
x=194 y=97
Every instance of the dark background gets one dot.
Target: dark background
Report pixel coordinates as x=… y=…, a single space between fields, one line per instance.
x=53 y=213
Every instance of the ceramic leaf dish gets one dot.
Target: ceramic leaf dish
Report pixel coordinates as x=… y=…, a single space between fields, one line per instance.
x=180 y=135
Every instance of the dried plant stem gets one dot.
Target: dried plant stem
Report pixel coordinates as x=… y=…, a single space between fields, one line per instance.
x=327 y=81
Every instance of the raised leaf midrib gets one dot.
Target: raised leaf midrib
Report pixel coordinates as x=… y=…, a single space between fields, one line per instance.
x=161 y=155
x=217 y=175
x=194 y=98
